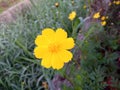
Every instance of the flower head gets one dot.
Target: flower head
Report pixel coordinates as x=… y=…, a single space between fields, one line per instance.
x=56 y=4
x=72 y=15
x=103 y=23
x=103 y=18
x=116 y=2
x=52 y=48
x=96 y=15
x=73 y=2
x=84 y=6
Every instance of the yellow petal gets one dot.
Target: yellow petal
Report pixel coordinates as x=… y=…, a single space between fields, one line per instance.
x=37 y=40
x=41 y=40
x=72 y=15
x=103 y=18
x=48 y=32
x=68 y=43
x=46 y=62
x=46 y=37
x=66 y=56
x=57 y=62
x=60 y=34
x=103 y=23
x=96 y=15
x=40 y=52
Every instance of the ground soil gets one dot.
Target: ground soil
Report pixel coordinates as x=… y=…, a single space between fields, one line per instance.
x=5 y=4
x=12 y=9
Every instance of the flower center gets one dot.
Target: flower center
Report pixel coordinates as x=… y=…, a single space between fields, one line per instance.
x=54 y=48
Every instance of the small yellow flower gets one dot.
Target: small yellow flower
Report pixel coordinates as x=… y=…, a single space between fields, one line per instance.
x=117 y=2
x=96 y=15
x=56 y=4
x=73 y=2
x=103 y=23
x=52 y=48
x=84 y=6
x=103 y=18
x=72 y=15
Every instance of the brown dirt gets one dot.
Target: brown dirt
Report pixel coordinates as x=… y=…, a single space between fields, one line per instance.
x=4 y=4
x=11 y=13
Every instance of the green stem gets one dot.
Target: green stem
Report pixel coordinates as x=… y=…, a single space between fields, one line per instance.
x=90 y=31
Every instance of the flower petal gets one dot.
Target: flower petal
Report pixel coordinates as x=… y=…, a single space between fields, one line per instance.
x=68 y=43
x=57 y=62
x=48 y=32
x=41 y=40
x=66 y=56
x=40 y=52
x=60 y=34
x=46 y=62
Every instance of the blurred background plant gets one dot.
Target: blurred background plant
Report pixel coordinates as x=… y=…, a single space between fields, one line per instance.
x=96 y=62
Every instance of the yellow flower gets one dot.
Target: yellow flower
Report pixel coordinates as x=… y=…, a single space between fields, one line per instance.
x=96 y=15
x=84 y=6
x=73 y=2
x=103 y=18
x=56 y=4
x=117 y=2
x=72 y=15
x=52 y=48
x=103 y=23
